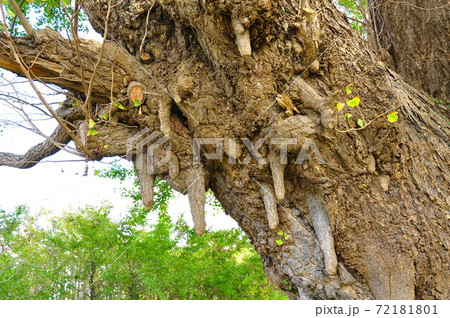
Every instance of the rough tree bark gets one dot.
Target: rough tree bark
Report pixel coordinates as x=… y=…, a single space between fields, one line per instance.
x=415 y=34
x=366 y=216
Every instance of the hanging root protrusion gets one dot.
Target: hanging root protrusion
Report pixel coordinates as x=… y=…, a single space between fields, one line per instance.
x=277 y=169
x=313 y=100
x=384 y=182
x=146 y=178
x=270 y=204
x=242 y=37
x=174 y=166
x=197 y=198
x=164 y=115
x=322 y=228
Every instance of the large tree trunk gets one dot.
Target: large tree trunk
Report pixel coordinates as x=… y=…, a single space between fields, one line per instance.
x=365 y=217
x=416 y=35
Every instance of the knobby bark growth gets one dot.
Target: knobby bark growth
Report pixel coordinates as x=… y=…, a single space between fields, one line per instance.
x=365 y=217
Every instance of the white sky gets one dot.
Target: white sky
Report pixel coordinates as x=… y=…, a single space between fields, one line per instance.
x=56 y=186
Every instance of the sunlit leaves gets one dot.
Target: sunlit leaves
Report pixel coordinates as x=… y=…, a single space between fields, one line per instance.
x=348 y=90
x=309 y=10
x=45 y=13
x=10 y=13
x=92 y=132
x=119 y=105
x=352 y=9
x=393 y=117
x=282 y=239
x=353 y=102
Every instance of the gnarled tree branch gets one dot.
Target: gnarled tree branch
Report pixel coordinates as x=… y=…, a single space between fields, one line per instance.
x=55 y=142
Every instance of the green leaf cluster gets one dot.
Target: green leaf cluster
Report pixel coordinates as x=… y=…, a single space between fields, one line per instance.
x=352 y=9
x=354 y=102
x=350 y=103
x=90 y=254
x=282 y=238
x=44 y=13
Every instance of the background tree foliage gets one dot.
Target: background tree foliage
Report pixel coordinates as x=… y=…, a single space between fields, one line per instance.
x=356 y=12
x=46 y=13
x=89 y=254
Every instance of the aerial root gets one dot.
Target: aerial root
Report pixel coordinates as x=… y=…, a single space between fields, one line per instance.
x=270 y=204
x=242 y=38
x=174 y=166
x=322 y=228
x=313 y=100
x=384 y=182
x=146 y=178
x=164 y=116
x=197 y=198
x=277 y=174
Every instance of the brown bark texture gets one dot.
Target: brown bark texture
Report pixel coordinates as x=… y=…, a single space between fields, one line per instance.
x=416 y=35
x=363 y=211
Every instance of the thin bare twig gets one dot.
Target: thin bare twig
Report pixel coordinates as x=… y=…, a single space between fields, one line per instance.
x=27 y=74
x=74 y=30
x=366 y=125
x=146 y=27
x=87 y=104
